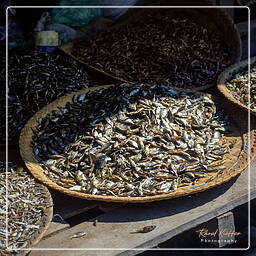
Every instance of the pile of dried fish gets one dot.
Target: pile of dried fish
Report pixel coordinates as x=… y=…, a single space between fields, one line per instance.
x=157 y=49
x=239 y=86
x=131 y=140
x=36 y=79
x=26 y=204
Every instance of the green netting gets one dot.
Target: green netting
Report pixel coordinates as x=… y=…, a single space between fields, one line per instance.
x=75 y=16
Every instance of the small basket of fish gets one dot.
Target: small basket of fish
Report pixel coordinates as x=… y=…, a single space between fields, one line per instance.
x=135 y=143
x=185 y=48
x=29 y=210
x=238 y=85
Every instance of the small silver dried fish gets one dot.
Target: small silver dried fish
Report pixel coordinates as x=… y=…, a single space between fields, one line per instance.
x=78 y=235
x=131 y=140
x=239 y=86
x=26 y=204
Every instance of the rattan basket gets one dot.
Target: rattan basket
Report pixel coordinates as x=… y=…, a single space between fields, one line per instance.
x=215 y=19
x=45 y=220
x=226 y=75
x=236 y=161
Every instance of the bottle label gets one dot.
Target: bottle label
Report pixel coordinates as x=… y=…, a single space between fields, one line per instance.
x=46 y=38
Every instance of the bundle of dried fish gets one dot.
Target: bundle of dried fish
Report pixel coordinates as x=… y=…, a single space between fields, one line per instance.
x=239 y=86
x=157 y=48
x=36 y=79
x=26 y=204
x=131 y=140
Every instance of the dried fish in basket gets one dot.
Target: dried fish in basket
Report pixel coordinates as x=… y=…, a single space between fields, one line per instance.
x=29 y=210
x=171 y=46
x=131 y=142
x=239 y=86
x=34 y=80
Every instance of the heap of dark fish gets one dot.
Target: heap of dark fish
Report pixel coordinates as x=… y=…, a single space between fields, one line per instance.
x=36 y=79
x=159 y=49
x=240 y=87
x=131 y=140
x=26 y=204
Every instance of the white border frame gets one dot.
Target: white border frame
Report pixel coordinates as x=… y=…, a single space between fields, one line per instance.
x=131 y=249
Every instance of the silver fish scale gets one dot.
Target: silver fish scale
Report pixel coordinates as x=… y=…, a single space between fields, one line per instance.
x=132 y=140
x=25 y=209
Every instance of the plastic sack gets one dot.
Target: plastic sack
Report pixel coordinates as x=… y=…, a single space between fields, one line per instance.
x=41 y=23
x=66 y=33
x=15 y=34
x=75 y=16
x=96 y=26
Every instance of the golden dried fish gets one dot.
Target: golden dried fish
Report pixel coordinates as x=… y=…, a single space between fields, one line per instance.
x=145 y=229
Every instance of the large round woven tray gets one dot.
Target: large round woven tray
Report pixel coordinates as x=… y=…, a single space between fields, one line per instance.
x=236 y=161
x=215 y=19
x=45 y=222
x=226 y=75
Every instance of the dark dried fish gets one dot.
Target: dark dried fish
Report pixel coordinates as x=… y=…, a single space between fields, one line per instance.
x=157 y=48
x=36 y=79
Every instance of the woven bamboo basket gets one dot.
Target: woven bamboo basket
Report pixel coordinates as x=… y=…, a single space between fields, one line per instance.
x=214 y=19
x=236 y=160
x=45 y=221
x=226 y=75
